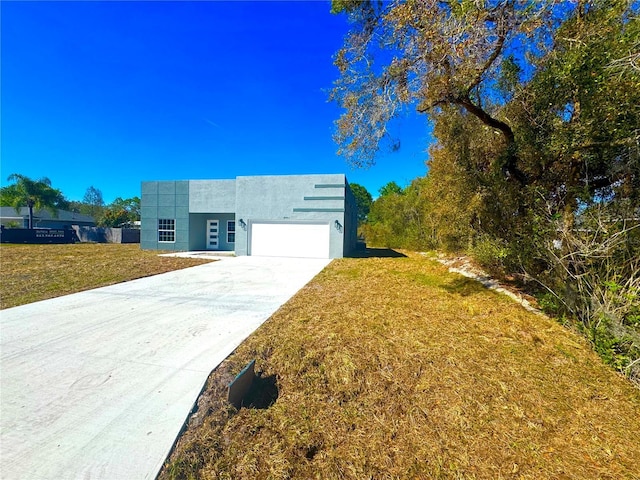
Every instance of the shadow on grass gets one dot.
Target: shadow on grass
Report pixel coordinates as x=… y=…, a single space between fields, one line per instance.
x=464 y=286
x=263 y=393
x=376 y=253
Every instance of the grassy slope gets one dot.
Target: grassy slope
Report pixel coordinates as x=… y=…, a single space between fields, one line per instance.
x=394 y=368
x=36 y=272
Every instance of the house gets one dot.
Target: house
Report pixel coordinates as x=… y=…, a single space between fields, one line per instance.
x=285 y=215
x=43 y=218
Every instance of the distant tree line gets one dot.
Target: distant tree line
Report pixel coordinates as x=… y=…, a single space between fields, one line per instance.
x=39 y=194
x=535 y=169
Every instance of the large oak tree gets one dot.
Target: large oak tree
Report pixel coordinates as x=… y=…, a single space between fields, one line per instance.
x=427 y=54
x=563 y=72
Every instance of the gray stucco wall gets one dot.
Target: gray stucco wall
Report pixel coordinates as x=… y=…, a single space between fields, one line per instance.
x=207 y=196
x=164 y=200
x=291 y=198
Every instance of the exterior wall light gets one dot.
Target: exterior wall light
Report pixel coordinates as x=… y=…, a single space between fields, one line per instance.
x=338 y=226
x=243 y=224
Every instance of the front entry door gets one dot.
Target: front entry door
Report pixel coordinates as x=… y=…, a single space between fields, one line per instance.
x=212 y=234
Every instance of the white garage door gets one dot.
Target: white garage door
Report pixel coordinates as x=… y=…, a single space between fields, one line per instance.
x=290 y=240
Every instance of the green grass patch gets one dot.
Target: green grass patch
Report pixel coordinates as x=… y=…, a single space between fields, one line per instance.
x=406 y=371
x=29 y=273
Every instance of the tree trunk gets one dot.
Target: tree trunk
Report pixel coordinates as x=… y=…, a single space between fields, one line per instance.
x=30 y=205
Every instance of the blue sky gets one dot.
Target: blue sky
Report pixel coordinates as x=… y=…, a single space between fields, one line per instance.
x=109 y=94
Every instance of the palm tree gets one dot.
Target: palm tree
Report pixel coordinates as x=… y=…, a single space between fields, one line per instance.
x=36 y=194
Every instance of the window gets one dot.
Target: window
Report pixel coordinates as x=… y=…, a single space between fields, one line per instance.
x=166 y=230
x=231 y=231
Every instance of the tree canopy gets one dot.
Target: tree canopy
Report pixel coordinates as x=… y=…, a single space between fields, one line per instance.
x=363 y=201
x=479 y=56
x=39 y=194
x=122 y=212
x=427 y=54
x=92 y=203
x=578 y=119
x=33 y=194
x=390 y=188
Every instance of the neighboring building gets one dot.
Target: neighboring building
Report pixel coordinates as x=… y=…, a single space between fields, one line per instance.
x=44 y=218
x=288 y=215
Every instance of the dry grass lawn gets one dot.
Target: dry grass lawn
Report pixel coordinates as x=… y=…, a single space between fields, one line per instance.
x=29 y=273
x=385 y=368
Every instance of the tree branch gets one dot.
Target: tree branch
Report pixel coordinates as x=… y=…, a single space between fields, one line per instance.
x=485 y=118
x=511 y=163
x=624 y=142
x=492 y=58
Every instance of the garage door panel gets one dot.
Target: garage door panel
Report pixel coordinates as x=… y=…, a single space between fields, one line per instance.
x=290 y=240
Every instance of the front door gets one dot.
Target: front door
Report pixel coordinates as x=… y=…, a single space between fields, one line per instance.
x=212 y=234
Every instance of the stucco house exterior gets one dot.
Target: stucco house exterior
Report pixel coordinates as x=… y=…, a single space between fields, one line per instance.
x=44 y=218
x=285 y=215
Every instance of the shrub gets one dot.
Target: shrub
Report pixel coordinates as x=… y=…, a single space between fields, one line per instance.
x=490 y=253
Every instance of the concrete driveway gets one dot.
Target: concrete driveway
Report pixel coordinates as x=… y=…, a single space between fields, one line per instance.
x=97 y=385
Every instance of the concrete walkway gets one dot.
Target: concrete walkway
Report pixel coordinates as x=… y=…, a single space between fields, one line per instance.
x=97 y=385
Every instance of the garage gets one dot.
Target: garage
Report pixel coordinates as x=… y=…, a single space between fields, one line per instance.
x=290 y=240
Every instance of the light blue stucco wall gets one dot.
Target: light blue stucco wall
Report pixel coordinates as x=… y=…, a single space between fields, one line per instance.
x=164 y=200
x=291 y=198
x=198 y=230
x=206 y=196
x=211 y=200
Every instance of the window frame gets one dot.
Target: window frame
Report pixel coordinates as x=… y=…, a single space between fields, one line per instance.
x=165 y=231
x=231 y=230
